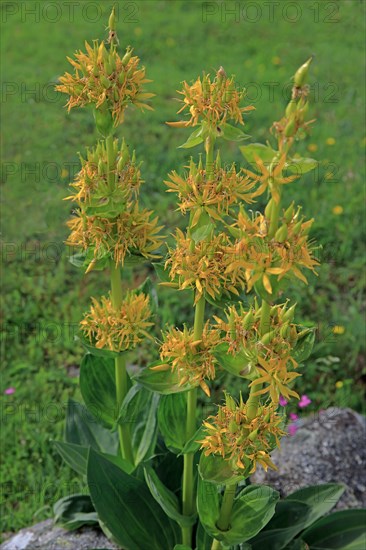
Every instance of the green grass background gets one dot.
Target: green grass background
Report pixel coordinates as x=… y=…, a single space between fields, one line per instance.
x=44 y=296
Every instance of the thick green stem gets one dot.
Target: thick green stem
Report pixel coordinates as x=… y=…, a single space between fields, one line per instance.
x=120 y=368
x=209 y=148
x=110 y=159
x=188 y=477
x=223 y=522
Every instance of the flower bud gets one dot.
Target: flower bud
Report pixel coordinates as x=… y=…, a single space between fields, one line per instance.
x=127 y=56
x=248 y=320
x=253 y=435
x=268 y=209
x=291 y=108
x=230 y=403
x=297 y=228
x=121 y=77
x=112 y=21
x=290 y=129
x=302 y=73
x=106 y=83
x=233 y=427
x=289 y=314
x=289 y=213
x=285 y=330
x=268 y=337
x=281 y=234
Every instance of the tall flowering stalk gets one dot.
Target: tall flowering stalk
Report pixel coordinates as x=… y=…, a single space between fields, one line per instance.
x=108 y=225
x=141 y=494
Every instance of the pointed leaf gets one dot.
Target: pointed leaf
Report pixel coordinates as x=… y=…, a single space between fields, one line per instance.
x=98 y=388
x=299 y=165
x=344 y=530
x=320 y=498
x=167 y=500
x=161 y=381
x=82 y=429
x=171 y=414
x=126 y=507
x=304 y=346
x=73 y=511
x=192 y=445
x=264 y=152
x=231 y=133
x=194 y=139
x=75 y=456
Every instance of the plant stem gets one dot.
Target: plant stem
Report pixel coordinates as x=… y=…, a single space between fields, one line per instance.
x=188 y=477
x=223 y=523
x=120 y=369
x=110 y=158
x=209 y=148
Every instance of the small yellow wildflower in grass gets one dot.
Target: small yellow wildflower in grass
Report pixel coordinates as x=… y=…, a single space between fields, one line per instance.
x=337 y=210
x=191 y=359
x=215 y=102
x=339 y=384
x=312 y=147
x=104 y=79
x=276 y=60
x=338 y=329
x=330 y=141
x=243 y=442
x=118 y=329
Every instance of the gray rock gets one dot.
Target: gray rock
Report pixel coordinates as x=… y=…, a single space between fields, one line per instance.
x=47 y=536
x=329 y=446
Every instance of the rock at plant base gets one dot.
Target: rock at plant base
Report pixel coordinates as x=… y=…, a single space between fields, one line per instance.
x=48 y=536
x=328 y=446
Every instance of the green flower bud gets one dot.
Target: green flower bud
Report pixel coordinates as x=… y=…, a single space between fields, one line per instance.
x=281 y=234
x=302 y=73
x=268 y=209
x=121 y=77
x=291 y=108
x=290 y=129
x=268 y=337
x=297 y=228
x=106 y=83
x=289 y=314
x=127 y=56
x=248 y=320
x=112 y=21
x=233 y=427
x=253 y=435
x=289 y=213
x=230 y=403
x=218 y=160
x=285 y=330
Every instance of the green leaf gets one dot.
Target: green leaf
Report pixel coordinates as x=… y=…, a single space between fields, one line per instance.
x=98 y=388
x=82 y=429
x=192 y=445
x=132 y=260
x=182 y=547
x=264 y=152
x=149 y=289
x=172 y=410
x=231 y=133
x=320 y=498
x=75 y=456
x=163 y=274
x=167 y=500
x=299 y=165
x=164 y=382
x=252 y=509
x=304 y=346
x=344 y=530
x=194 y=139
x=203 y=228
x=289 y=520
x=237 y=364
x=203 y=539
x=126 y=507
x=144 y=433
x=73 y=511
x=215 y=469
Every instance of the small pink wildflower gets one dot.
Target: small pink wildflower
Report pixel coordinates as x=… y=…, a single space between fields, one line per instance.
x=293 y=416
x=282 y=401
x=292 y=429
x=304 y=401
x=9 y=391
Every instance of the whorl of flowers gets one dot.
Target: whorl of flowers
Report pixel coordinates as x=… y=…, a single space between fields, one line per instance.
x=203 y=266
x=133 y=231
x=104 y=189
x=289 y=252
x=214 y=102
x=191 y=359
x=242 y=441
x=266 y=358
x=117 y=329
x=103 y=79
x=212 y=192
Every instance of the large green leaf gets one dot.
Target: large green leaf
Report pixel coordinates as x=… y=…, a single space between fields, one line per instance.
x=90 y=348
x=164 y=382
x=73 y=511
x=98 y=388
x=288 y=521
x=171 y=414
x=217 y=470
x=252 y=509
x=76 y=457
x=126 y=507
x=320 y=498
x=264 y=152
x=345 y=530
x=203 y=228
x=304 y=346
x=231 y=133
x=203 y=539
x=237 y=364
x=194 y=139
x=82 y=429
x=166 y=498
x=300 y=166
